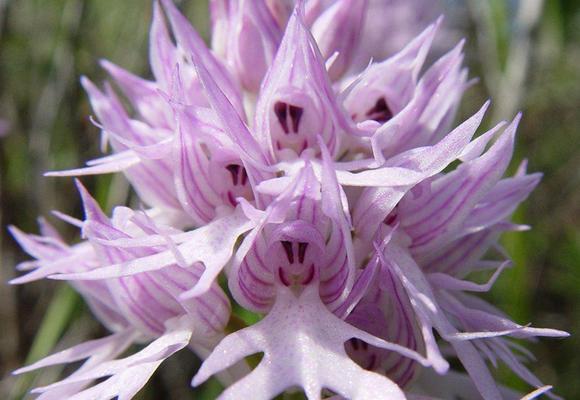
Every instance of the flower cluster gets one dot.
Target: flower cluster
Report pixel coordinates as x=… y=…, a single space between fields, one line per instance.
x=321 y=191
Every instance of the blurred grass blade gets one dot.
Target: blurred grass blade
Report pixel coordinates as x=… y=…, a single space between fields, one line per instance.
x=58 y=317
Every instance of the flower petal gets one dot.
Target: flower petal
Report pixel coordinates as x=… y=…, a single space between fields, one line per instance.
x=303 y=345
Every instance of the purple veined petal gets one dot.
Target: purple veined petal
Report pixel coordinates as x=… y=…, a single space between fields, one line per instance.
x=163 y=55
x=433 y=159
x=197 y=184
x=46 y=269
x=375 y=204
x=38 y=246
x=232 y=123
x=253 y=158
x=448 y=282
x=159 y=350
x=121 y=386
x=335 y=207
x=462 y=255
x=386 y=312
x=493 y=346
x=337 y=30
x=478 y=145
x=426 y=326
x=454 y=195
x=211 y=244
x=150 y=299
x=420 y=120
x=360 y=287
x=383 y=89
x=118 y=162
x=501 y=201
x=477 y=319
x=142 y=94
x=194 y=48
x=296 y=101
x=411 y=167
x=92 y=348
x=142 y=299
x=100 y=350
x=52 y=257
x=425 y=303
x=111 y=113
x=373 y=207
x=152 y=179
x=247 y=36
x=317 y=361
x=439 y=94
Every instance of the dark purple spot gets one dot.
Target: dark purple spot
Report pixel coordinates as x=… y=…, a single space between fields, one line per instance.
x=281 y=111
x=372 y=362
x=234 y=170
x=295 y=116
x=244 y=176
x=380 y=112
x=354 y=343
x=232 y=199
x=302 y=246
x=392 y=217
x=288 y=249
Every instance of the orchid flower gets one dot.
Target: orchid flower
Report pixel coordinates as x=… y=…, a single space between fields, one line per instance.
x=137 y=309
x=285 y=170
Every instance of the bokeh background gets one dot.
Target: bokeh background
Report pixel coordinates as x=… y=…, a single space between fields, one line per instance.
x=526 y=54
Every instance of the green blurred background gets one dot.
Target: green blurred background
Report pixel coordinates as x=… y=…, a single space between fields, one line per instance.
x=525 y=61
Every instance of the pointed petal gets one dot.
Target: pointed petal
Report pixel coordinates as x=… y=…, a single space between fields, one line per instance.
x=194 y=47
x=337 y=30
x=212 y=245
